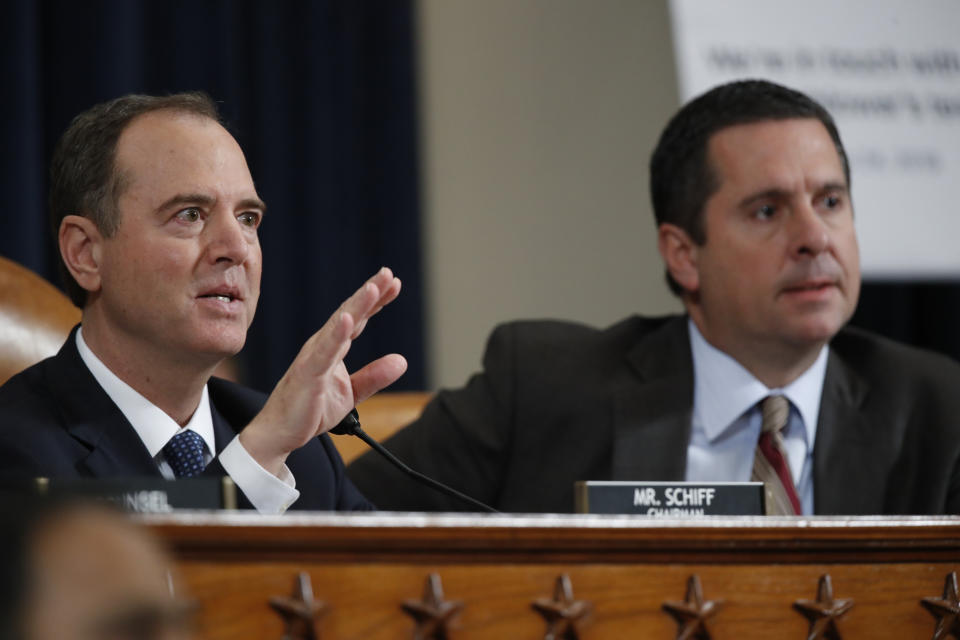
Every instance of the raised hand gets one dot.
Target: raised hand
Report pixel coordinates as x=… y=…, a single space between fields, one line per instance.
x=316 y=392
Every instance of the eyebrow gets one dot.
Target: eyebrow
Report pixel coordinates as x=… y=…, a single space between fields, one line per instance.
x=203 y=199
x=253 y=203
x=781 y=194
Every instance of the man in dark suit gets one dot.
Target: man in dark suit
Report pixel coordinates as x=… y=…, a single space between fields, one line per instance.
x=156 y=218
x=751 y=193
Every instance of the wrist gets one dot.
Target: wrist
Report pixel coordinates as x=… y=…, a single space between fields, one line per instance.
x=263 y=449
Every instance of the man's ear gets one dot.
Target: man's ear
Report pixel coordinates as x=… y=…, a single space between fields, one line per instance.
x=81 y=246
x=679 y=252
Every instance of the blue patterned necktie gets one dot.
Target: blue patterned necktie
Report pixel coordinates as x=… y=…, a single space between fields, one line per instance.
x=184 y=454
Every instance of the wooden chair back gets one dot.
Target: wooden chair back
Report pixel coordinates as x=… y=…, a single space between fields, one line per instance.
x=35 y=318
x=382 y=415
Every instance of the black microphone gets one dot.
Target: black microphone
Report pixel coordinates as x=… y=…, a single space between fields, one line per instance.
x=350 y=426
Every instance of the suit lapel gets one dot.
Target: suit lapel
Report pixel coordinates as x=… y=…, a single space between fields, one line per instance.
x=223 y=431
x=850 y=454
x=232 y=407
x=93 y=419
x=652 y=415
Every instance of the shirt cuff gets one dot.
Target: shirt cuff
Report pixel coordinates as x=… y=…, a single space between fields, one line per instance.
x=267 y=493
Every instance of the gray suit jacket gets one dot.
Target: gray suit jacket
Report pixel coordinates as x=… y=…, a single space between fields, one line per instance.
x=559 y=402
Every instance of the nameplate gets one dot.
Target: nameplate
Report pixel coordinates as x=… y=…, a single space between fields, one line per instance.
x=147 y=495
x=670 y=499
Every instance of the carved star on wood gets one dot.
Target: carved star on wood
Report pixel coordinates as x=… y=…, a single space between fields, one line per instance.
x=301 y=613
x=562 y=612
x=692 y=614
x=946 y=610
x=431 y=613
x=824 y=612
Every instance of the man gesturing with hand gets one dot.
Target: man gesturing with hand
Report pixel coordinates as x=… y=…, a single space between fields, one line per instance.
x=156 y=218
x=319 y=367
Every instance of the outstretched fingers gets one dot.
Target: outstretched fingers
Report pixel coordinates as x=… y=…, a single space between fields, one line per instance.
x=377 y=292
x=329 y=346
x=316 y=391
x=380 y=373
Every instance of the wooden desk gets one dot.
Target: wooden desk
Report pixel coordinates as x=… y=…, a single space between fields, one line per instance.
x=364 y=566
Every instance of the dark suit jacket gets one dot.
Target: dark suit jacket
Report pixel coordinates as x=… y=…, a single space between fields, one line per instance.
x=56 y=421
x=559 y=402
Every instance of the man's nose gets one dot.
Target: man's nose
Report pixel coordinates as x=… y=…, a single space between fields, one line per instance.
x=227 y=239
x=809 y=234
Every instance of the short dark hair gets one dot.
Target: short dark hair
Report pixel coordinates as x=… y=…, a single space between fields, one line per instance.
x=83 y=173
x=681 y=178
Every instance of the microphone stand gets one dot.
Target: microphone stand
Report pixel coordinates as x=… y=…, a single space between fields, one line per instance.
x=350 y=426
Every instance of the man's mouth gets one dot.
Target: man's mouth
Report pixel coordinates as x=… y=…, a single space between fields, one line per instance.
x=810 y=286
x=223 y=295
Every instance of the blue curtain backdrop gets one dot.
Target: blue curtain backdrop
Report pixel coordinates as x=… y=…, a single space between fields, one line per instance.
x=320 y=95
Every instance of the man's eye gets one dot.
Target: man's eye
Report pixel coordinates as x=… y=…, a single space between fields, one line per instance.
x=190 y=214
x=249 y=218
x=764 y=212
x=832 y=201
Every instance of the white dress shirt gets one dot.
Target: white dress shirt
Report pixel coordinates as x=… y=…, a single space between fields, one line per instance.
x=726 y=418
x=267 y=492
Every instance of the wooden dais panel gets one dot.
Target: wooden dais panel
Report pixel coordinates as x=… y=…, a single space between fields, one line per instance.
x=595 y=577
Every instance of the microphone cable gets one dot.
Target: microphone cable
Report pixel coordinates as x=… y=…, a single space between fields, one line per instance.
x=350 y=426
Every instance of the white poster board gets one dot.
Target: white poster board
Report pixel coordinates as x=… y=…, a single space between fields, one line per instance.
x=889 y=72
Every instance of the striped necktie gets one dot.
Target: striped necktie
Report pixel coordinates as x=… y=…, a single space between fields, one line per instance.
x=770 y=463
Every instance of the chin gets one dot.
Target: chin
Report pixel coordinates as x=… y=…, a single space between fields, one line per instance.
x=817 y=332
x=219 y=347
x=223 y=337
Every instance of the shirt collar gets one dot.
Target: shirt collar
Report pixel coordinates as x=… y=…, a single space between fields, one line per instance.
x=154 y=427
x=723 y=390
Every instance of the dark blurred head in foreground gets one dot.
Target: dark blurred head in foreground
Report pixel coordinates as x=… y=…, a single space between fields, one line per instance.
x=83 y=572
